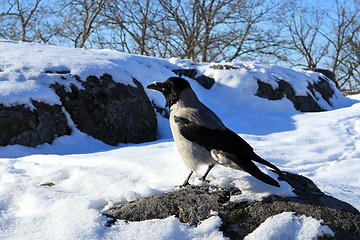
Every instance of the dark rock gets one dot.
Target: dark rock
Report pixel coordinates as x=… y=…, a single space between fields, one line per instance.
x=344 y=224
x=164 y=111
x=205 y=81
x=323 y=87
x=329 y=74
x=190 y=205
x=302 y=103
x=223 y=67
x=190 y=73
x=193 y=204
x=307 y=103
x=48 y=184
x=109 y=111
x=58 y=72
x=20 y=125
x=341 y=217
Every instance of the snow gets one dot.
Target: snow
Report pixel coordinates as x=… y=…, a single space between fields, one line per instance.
x=169 y=228
x=286 y=225
x=90 y=177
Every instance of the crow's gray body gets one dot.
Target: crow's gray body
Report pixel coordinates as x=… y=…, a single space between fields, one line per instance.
x=201 y=137
x=191 y=152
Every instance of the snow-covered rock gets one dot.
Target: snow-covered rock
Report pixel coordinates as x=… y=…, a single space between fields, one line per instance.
x=20 y=125
x=320 y=89
x=102 y=90
x=111 y=112
x=194 y=204
x=61 y=190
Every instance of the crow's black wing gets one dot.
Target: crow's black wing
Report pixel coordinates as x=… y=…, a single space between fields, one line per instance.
x=221 y=139
x=228 y=142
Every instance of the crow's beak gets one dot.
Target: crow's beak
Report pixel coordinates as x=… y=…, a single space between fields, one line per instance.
x=158 y=86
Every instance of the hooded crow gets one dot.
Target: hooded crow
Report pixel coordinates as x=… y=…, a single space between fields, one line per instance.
x=202 y=138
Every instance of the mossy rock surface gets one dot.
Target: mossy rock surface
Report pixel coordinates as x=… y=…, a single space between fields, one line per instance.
x=194 y=204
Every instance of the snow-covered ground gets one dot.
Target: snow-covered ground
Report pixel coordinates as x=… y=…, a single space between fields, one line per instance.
x=90 y=176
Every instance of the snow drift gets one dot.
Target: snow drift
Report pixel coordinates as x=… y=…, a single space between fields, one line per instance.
x=103 y=93
x=27 y=70
x=88 y=177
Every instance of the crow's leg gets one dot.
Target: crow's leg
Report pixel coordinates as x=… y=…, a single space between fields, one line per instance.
x=186 y=182
x=207 y=172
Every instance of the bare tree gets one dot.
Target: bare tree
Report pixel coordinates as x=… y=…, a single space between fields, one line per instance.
x=7 y=8
x=44 y=28
x=25 y=19
x=134 y=21
x=20 y=14
x=302 y=24
x=344 y=17
x=80 y=19
x=348 y=71
x=183 y=26
x=215 y=30
x=201 y=30
x=251 y=37
x=193 y=27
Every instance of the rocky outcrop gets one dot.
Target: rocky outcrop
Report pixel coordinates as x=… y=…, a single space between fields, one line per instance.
x=116 y=113
x=20 y=125
x=109 y=111
x=193 y=204
x=329 y=74
x=205 y=81
x=341 y=217
x=307 y=103
x=302 y=103
x=223 y=67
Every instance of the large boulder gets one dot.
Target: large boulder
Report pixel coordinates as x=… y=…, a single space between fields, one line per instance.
x=205 y=81
x=329 y=74
x=20 y=125
x=104 y=109
x=194 y=204
x=308 y=103
x=109 y=111
x=191 y=205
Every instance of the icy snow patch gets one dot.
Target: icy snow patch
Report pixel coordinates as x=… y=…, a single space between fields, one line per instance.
x=288 y=226
x=169 y=228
